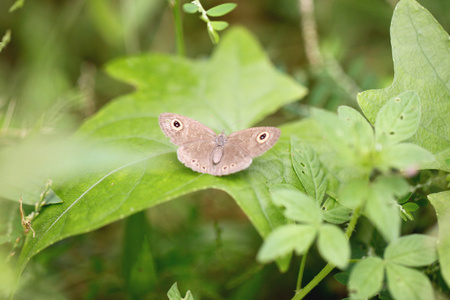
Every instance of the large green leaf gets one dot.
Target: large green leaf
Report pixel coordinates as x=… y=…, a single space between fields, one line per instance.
x=236 y=88
x=421 y=54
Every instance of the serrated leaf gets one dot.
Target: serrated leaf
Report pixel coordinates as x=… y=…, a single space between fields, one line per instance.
x=420 y=50
x=190 y=8
x=299 y=207
x=237 y=75
x=308 y=169
x=366 y=278
x=333 y=245
x=415 y=250
x=220 y=10
x=398 y=119
x=408 y=284
x=219 y=25
x=441 y=203
x=285 y=239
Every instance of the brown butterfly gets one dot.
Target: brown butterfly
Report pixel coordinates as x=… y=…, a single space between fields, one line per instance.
x=204 y=151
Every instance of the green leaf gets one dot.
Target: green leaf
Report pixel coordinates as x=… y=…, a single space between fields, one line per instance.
x=219 y=25
x=398 y=119
x=5 y=40
x=138 y=265
x=299 y=207
x=308 y=169
x=381 y=207
x=420 y=50
x=334 y=212
x=220 y=10
x=174 y=293
x=405 y=155
x=237 y=75
x=366 y=278
x=410 y=206
x=441 y=203
x=338 y=152
x=415 y=250
x=361 y=131
x=333 y=245
x=18 y=4
x=213 y=35
x=285 y=239
x=406 y=283
x=354 y=194
x=190 y=8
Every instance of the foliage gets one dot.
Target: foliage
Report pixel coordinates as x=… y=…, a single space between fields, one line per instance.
x=345 y=180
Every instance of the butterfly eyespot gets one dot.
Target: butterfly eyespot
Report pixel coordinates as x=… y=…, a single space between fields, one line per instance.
x=193 y=161
x=232 y=165
x=262 y=137
x=204 y=167
x=224 y=168
x=176 y=125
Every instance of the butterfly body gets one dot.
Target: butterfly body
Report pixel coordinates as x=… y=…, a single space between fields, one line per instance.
x=204 y=151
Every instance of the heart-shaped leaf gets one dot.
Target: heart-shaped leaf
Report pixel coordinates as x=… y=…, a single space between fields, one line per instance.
x=420 y=51
x=235 y=89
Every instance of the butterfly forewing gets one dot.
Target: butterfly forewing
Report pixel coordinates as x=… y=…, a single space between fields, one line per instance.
x=183 y=130
x=255 y=141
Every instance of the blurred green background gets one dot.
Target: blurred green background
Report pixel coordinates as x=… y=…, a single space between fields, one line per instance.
x=52 y=79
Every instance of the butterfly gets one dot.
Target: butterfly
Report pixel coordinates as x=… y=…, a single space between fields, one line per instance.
x=205 y=151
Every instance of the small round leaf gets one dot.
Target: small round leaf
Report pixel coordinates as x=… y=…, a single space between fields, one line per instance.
x=220 y=10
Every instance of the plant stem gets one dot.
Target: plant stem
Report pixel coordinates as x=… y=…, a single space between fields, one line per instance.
x=300 y=294
x=178 y=28
x=300 y=272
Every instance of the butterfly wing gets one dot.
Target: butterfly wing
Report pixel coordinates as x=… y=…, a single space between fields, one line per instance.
x=255 y=141
x=183 y=130
x=196 y=141
x=242 y=146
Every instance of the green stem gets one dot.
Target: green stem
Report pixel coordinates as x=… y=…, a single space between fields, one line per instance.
x=301 y=271
x=178 y=28
x=300 y=294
